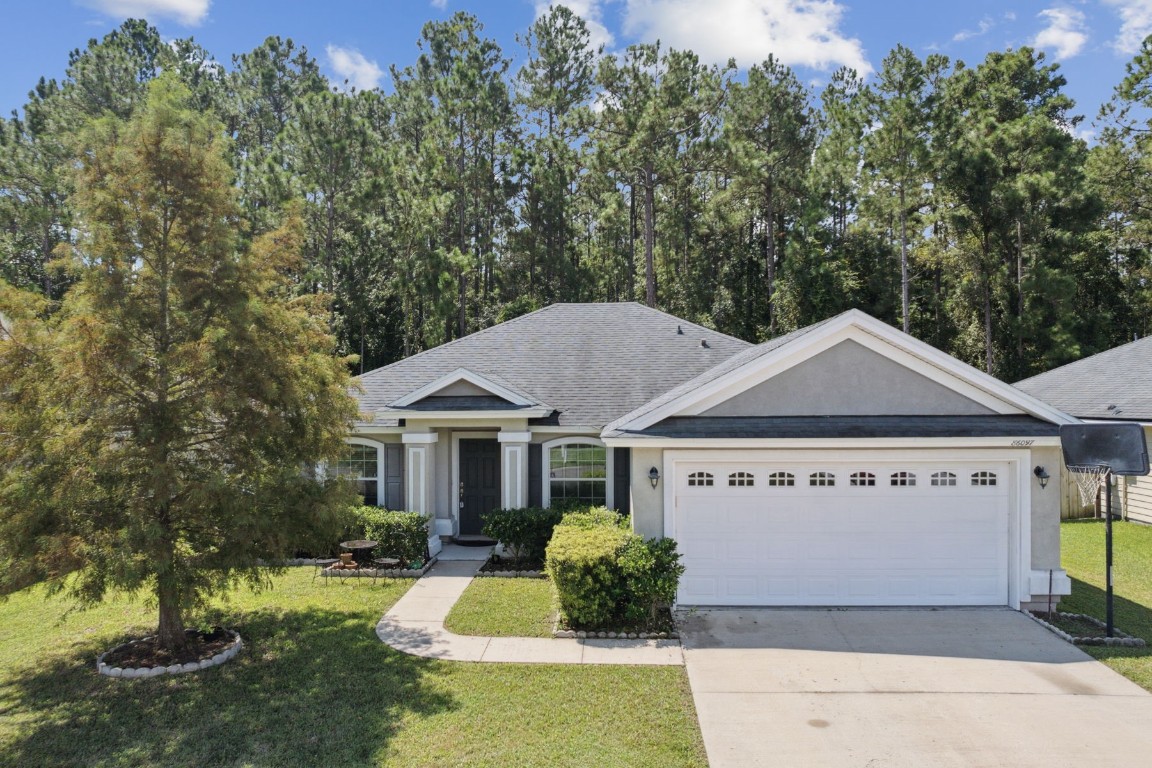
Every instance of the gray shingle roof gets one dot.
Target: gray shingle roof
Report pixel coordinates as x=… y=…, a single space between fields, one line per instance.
x=996 y=425
x=591 y=362
x=1115 y=384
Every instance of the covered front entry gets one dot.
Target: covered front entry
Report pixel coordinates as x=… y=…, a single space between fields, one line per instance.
x=856 y=530
x=479 y=482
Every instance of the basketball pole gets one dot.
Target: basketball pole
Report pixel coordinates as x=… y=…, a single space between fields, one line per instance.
x=1108 y=550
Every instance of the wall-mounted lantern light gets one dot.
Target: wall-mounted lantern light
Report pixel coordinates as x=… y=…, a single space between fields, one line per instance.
x=654 y=476
x=1041 y=475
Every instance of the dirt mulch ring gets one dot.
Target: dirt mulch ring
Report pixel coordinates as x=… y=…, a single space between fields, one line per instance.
x=1074 y=625
x=147 y=654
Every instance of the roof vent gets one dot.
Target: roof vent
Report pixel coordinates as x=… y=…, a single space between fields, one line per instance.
x=704 y=343
x=679 y=331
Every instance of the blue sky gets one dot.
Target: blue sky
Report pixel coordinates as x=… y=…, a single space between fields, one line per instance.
x=1091 y=39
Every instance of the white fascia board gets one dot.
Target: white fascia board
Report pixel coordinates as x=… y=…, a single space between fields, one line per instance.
x=824 y=443
x=458 y=375
x=521 y=413
x=875 y=335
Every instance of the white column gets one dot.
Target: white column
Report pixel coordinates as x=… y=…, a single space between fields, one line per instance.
x=514 y=468
x=419 y=464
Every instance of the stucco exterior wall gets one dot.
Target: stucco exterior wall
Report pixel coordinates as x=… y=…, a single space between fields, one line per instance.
x=848 y=380
x=1046 y=508
x=647 y=503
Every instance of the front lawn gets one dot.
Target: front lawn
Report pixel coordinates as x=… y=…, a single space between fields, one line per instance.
x=1082 y=549
x=497 y=607
x=315 y=687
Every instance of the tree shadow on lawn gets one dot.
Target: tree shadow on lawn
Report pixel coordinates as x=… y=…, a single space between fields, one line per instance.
x=1130 y=616
x=311 y=687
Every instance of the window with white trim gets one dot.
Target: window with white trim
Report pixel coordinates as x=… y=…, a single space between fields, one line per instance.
x=903 y=479
x=983 y=478
x=741 y=480
x=862 y=479
x=361 y=464
x=700 y=479
x=782 y=479
x=943 y=478
x=577 y=473
x=822 y=479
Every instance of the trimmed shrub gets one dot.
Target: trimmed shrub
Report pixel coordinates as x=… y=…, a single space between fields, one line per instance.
x=593 y=517
x=582 y=565
x=402 y=535
x=524 y=531
x=652 y=572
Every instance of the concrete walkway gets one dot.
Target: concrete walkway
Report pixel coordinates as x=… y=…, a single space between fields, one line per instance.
x=906 y=689
x=415 y=625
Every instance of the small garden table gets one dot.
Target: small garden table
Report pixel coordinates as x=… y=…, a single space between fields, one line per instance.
x=361 y=550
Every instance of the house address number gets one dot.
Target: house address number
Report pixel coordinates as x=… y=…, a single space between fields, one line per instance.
x=1023 y=442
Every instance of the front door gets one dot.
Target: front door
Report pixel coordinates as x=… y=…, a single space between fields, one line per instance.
x=479 y=483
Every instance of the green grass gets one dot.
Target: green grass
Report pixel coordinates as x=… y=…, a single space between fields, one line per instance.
x=315 y=687
x=1082 y=549
x=496 y=607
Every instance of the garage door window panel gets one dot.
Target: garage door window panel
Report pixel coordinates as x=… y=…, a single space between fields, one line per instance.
x=862 y=479
x=741 y=480
x=903 y=479
x=944 y=479
x=822 y=480
x=781 y=480
x=984 y=478
x=701 y=480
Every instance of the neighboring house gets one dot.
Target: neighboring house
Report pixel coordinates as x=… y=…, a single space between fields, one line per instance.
x=845 y=463
x=1115 y=385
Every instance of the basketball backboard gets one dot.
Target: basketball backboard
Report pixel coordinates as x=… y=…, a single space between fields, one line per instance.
x=1117 y=445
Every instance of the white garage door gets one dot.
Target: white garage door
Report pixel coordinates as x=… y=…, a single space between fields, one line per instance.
x=843 y=533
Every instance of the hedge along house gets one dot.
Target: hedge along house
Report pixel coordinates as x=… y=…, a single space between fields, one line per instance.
x=1114 y=385
x=845 y=463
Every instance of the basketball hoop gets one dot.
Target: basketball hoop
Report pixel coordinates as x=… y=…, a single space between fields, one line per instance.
x=1089 y=478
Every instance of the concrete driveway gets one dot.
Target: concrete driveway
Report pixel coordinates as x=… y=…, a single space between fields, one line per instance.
x=919 y=687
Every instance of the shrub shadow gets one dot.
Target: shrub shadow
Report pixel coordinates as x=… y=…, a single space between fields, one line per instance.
x=1130 y=616
x=311 y=687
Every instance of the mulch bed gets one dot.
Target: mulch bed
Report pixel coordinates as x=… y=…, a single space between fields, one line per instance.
x=662 y=625
x=146 y=653
x=1073 y=625
x=498 y=564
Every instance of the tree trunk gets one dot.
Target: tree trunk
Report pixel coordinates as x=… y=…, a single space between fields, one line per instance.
x=904 y=291
x=770 y=257
x=170 y=633
x=649 y=235
x=1019 y=291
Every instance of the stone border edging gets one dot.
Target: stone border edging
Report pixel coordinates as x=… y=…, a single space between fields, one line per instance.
x=569 y=634
x=511 y=575
x=379 y=573
x=128 y=673
x=1123 y=640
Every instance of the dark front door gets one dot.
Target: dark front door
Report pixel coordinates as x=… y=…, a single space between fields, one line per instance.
x=479 y=483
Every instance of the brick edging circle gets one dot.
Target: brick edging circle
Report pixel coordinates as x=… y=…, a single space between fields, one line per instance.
x=128 y=673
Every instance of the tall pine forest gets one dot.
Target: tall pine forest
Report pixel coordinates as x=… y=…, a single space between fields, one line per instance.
x=951 y=199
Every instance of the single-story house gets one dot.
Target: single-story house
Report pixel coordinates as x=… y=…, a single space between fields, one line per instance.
x=845 y=463
x=1114 y=385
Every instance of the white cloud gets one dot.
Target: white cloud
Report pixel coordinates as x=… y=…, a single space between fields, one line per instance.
x=590 y=11
x=800 y=32
x=1135 y=24
x=351 y=65
x=985 y=24
x=1064 y=34
x=187 y=12
x=440 y=4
